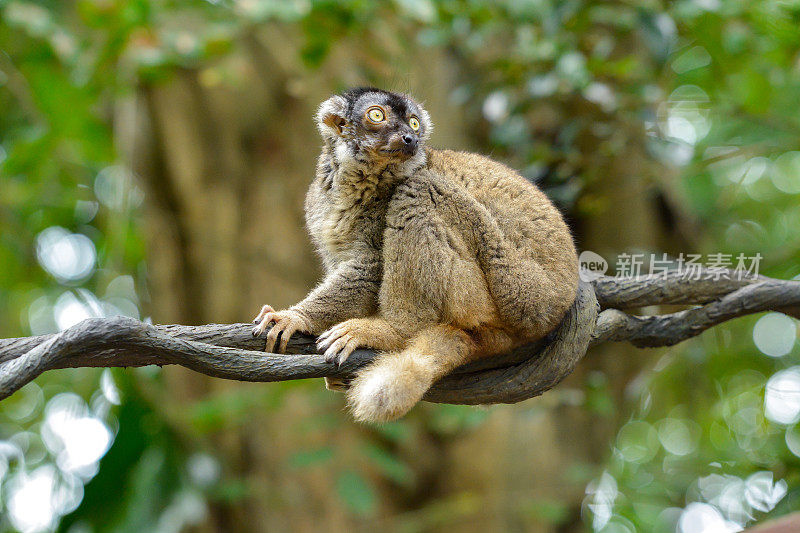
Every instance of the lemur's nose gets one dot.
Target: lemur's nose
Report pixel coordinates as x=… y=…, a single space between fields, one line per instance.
x=410 y=140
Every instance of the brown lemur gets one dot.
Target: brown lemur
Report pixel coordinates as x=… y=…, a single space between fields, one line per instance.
x=432 y=257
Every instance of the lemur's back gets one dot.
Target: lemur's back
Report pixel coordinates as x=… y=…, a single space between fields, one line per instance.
x=524 y=213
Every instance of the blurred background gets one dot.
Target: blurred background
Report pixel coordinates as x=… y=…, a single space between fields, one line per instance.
x=154 y=156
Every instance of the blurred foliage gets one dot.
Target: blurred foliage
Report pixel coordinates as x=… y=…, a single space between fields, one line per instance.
x=560 y=89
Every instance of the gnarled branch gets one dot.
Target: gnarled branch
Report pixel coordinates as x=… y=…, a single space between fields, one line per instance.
x=229 y=351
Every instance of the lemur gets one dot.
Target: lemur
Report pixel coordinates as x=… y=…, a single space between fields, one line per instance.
x=432 y=257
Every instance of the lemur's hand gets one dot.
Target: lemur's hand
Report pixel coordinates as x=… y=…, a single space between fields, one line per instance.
x=287 y=322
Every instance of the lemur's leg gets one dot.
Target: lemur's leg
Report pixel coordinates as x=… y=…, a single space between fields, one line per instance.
x=522 y=290
x=486 y=340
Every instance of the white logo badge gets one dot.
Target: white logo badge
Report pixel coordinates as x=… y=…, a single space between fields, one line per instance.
x=592 y=266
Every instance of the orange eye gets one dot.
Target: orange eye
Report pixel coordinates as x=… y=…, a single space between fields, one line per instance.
x=414 y=123
x=376 y=114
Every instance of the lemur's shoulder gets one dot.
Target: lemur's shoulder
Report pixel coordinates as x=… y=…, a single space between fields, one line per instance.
x=454 y=162
x=484 y=176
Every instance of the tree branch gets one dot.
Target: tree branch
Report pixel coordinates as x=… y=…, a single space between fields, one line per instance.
x=666 y=330
x=229 y=350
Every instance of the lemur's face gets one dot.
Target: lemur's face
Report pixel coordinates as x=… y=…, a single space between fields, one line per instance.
x=371 y=125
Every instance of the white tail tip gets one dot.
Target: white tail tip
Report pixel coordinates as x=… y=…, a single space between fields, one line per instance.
x=389 y=388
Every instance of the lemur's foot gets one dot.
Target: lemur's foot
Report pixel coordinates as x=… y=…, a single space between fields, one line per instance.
x=337 y=384
x=342 y=339
x=286 y=324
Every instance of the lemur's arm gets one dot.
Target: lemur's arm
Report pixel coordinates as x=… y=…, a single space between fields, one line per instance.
x=350 y=290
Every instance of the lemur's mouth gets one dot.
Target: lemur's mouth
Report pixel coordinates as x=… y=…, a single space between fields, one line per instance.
x=399 y=151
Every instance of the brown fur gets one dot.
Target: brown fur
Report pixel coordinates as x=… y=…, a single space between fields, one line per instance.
x=432 y=256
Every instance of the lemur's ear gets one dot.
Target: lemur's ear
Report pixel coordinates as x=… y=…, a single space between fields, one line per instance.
x=330 y=116
x=427 y=125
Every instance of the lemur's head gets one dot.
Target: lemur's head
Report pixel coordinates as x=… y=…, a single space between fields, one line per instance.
x=369 y=125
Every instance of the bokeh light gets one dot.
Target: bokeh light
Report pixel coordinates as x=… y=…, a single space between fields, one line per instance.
x=678 y=437
x=782 y=396
x=637 y=441
x=703 y=518
x=76 y=437
x=68 y=447
x=600 y=497
x=774 y=334
x=114 y=187
x=786 y=172
x=73 y=307
x=66 y=256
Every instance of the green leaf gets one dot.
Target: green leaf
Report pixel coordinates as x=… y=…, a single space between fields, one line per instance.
x=389 y=465
x=356 y=493
x=313 y=457
x=397 y=431
x=547 y=510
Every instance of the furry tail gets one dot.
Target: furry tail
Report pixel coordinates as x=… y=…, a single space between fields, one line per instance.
x=395 y=382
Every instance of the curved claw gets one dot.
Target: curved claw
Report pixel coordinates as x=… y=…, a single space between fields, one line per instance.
x=264 y=310
x=334 y=349
x=327 y=340
x=324 y=343
x=283 y=328
x=286 y=324
x=340 y=350
x=330 y=335
x=265 y=320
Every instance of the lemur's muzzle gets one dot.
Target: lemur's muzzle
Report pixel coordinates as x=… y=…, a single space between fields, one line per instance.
x=410 y=142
